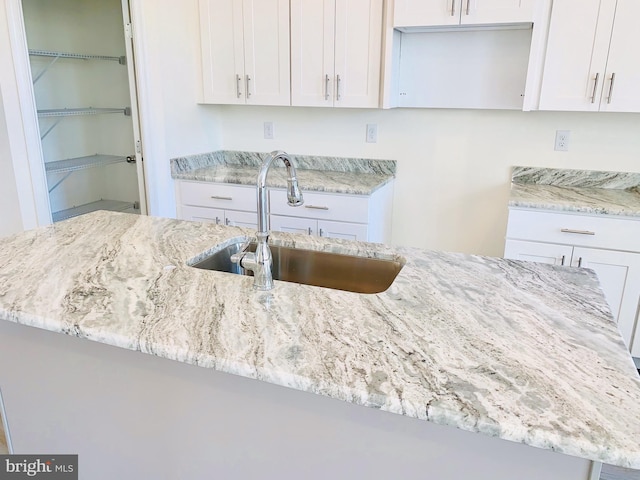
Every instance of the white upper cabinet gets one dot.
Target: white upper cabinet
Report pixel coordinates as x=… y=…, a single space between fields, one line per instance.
x=245 y=51
x=336 y=50
x=431 y=13
x=622 y=87
x=590 y=64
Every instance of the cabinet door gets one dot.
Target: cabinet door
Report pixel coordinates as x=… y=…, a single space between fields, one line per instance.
x=348 y=231
x=222 y=46
x=235 y=218
x=426 y=13
x=622 y=82
x=358 y=52
x=201 y=214
x=538 y=252
x=266 y=52
x=304 y=226
x=496 y=11
x=312 y=52
x=619 y=275
x=577 y=48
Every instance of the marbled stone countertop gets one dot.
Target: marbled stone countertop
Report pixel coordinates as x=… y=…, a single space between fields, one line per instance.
x=322 y=174
x=521 y=351
x=584 y=191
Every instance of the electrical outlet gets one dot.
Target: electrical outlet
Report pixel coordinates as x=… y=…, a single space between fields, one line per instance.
x=562 y=140
x=268 y=130
x=372 y=133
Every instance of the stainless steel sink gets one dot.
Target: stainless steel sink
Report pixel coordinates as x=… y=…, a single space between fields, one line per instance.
x=309 y=267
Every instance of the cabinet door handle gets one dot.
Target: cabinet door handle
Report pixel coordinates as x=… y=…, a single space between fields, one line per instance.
x=579 y=232
x=217 y=220
x=613 y=78
x=579 y=262
x=218 y=197
x=453 y=7
x=321 y=233
x=326 y=87
x=227 y=222
x=316 y=207
x=562 y=261
x=338 y=80
x=248 y=91
x=595 y=88
x=238 y=92
x=468 y=3
x=309 y=229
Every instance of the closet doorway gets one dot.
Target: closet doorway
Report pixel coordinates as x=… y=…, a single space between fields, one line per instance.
x=83 y=76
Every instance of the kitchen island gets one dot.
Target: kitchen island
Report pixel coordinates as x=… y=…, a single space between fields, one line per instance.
x=511 y=350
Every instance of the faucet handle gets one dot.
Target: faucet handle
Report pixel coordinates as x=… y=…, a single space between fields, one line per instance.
x=237 y=257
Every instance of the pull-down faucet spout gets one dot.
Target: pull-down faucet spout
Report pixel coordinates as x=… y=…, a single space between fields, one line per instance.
x=260 y=262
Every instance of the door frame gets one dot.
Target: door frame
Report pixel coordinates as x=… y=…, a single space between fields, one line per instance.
x=22 y=117
x=22 y=122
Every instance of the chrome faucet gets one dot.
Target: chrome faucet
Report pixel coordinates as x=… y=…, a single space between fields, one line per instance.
x=260 y=262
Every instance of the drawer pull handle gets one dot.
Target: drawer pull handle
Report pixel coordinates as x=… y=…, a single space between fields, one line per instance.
x=579 y=232
x=218 y=197
x=316 y=207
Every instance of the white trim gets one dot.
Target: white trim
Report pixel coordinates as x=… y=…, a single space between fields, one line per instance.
x=535 y=69
x=132 y=67
x=4 y=424
x=22 y=123
x=152 y=128
x=596 y=469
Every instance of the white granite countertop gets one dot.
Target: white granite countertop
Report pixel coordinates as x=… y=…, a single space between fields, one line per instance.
x=320 y=174
x=521 y=351
x=310 y=180
x=583 y=191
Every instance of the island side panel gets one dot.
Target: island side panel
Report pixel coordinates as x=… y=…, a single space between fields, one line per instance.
x=131 y=415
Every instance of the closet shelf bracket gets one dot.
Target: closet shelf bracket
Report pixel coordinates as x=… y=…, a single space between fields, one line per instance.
x=122 y=60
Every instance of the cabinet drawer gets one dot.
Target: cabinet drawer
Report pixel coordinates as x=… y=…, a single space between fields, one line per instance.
x=324 y=206
x=217 y=195
x=572 y=229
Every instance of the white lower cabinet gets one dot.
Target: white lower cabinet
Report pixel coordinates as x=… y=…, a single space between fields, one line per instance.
x=218 y=216
x=218 y=203
x=588 y=242
x=321 y=228
x=351 y=217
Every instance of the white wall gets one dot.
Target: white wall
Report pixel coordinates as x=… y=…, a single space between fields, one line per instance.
x=452 y=184
x=173 y=124
x=10 y=219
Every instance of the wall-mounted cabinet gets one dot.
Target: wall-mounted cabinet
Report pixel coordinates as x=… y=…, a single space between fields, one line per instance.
x=464 y=69
x=245 y=51
x=88 y=135
x=336 y=52
x=431 y=13
x=591 y=64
